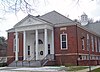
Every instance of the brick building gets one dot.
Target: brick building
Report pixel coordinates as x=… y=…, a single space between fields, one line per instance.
x=52 y=39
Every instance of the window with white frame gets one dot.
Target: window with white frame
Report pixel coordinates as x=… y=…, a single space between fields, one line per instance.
x=63 y=38
x=87 y=57
x=96 y=57
x=93 y=57
x=14 y=45
x=92 y=43
x=83 y=57
x=88 y=45
x=96 y=44
x=83 y=44
x=99 y=44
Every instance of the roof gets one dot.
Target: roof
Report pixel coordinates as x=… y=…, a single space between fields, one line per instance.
x=94 y=27
x=55 y=18
x=27 y=17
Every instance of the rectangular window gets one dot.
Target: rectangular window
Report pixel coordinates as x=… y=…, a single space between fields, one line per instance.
x=96 y=44
x=92 y=41
x=48 y=48
x=99 y=44
x=14 y=45
x=88 y=45
x=83 y=44
x=63 y=38
x=28 y=50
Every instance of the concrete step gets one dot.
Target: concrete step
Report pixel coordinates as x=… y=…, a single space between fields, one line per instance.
x=25 y=63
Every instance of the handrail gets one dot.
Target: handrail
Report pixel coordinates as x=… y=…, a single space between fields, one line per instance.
x=28 y=59
x=44 y=60
x=10 y=60
x=47 y=58
x=32 y=58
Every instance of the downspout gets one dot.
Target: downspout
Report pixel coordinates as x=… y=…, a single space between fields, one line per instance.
x=77 y=44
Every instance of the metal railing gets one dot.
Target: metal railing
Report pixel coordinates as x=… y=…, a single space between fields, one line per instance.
x=48 y=57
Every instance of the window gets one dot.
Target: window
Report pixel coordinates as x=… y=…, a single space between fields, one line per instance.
x=99 y=44
x=40 y=41
x=88 y=45
x=96 y=44
x=83 y=57
x=92 y=41
x=63 y=38
x=28 y=50
x=87 y=57
x=48 y=48
x=93 y=57
x=14 y=45
x=83 y=44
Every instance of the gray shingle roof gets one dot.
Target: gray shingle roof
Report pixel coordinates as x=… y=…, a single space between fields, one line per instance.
x=94 y=27
x=55 y=18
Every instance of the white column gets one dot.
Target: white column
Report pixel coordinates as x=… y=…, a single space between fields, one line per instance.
x=52 y=48
x=36 y=44
x=45 y=41
x=16 y=54
x=24 y=45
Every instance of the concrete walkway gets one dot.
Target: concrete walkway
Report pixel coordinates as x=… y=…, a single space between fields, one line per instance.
x=32 y=69
x=41 y=69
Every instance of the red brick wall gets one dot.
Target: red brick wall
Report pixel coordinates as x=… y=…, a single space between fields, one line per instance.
x=70 y=56
x=10 y=52
x=62 y=56
x=20 y=46
x=81 y=33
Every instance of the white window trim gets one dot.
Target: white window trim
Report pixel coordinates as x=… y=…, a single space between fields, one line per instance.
x=83 y=44
x=96 y=44
x=14 y=45
x=99 y=44
x=92 y=41
x=88 y=42
x=61 y=41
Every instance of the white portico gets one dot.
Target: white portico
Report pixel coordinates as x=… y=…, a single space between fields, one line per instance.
x=38 y=38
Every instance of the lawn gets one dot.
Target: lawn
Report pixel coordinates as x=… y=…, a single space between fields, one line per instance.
x=76 y=68
x=96 y=70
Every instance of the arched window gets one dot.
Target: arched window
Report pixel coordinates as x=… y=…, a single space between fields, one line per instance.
x=40 y=41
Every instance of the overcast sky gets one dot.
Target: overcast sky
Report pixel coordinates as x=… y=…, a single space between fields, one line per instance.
x=69 y=8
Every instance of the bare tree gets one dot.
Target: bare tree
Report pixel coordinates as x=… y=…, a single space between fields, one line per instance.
x=26 y=6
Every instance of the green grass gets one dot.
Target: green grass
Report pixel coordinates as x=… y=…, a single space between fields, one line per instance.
x=76 y=68
x=96 y=70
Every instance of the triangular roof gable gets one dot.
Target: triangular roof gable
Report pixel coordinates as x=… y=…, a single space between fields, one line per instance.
x=29 y=20
x=55 y=18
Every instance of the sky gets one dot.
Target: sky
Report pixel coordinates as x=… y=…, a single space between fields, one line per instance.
x=68 y=8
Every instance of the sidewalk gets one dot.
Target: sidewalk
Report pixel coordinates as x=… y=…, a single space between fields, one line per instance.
x=41 y=69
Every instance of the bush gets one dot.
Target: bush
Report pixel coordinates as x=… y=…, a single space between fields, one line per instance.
x=3 y=64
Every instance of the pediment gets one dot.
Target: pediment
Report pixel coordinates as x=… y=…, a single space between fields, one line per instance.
x=29 y=20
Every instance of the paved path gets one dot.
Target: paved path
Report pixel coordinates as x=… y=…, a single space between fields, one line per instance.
x=41 y=69
x=31 y=69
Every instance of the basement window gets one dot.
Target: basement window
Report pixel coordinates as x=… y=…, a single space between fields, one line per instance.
x=63 y=38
